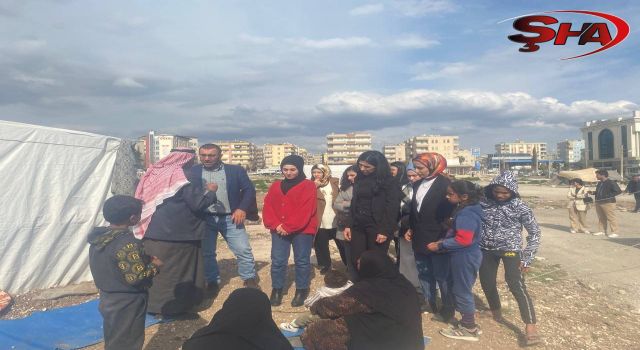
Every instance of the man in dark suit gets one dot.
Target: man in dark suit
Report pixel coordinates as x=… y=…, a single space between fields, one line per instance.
x=236 y=198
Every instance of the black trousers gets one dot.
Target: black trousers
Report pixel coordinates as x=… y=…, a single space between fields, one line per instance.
x=123 y=317
x=637 y=197
x=363 y=238
x=513 y=276
x=321 y=246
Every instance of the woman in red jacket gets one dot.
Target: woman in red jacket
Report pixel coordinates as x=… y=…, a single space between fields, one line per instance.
x=290 y=213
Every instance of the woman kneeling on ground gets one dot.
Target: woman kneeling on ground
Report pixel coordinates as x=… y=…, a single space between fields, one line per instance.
x=381 y=311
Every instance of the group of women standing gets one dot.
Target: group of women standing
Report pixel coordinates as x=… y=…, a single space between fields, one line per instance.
x=417 y=206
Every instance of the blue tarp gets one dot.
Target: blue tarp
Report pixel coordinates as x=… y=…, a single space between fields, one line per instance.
x=66 y=328
x=70 y=327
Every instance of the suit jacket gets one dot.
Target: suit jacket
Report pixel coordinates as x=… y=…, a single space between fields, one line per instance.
x=428 y=223
x=240 y=189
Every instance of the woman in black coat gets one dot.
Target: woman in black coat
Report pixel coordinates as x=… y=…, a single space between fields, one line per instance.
x=374 y=207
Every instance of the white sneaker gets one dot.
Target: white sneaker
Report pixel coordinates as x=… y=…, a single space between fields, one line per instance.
x=573 y=231
x=612 y=235
x=599 y=233
x=288 y=326
x=586 y=232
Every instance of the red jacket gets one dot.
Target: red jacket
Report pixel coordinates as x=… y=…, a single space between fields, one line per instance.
x=296 y=210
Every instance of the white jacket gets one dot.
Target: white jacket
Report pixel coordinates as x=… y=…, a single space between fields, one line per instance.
x=577 y=199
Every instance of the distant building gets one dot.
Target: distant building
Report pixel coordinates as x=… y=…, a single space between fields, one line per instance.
x=158 y=146
x=521 y=147
x=608 y=141
x=448 y=146
x=275 y=153
x=344 y=149
x=395 y=153
x=259 y=158
x=570 y=151
x=238 y=152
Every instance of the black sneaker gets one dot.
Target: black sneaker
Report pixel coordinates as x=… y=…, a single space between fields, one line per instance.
x=212 y=290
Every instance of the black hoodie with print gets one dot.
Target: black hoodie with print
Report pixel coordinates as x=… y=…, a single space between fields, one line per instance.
x=117 y=261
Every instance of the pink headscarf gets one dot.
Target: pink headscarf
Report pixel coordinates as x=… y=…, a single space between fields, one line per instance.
x=435 y=162
x=161 y=181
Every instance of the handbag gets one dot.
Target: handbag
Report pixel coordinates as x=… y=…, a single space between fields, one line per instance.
x=587 y=199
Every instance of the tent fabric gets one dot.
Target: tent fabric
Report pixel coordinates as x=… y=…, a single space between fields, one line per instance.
x=53 y=185
x=588 y=175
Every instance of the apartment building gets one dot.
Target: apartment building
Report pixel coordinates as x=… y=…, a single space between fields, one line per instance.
x=344 y=149
x=522 y=147
x=274 y=153
x=395 y=153
x=448 y=146
x=238 y=152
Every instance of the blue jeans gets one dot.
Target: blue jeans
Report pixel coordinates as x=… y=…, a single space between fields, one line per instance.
x=280 y=249
x=432 y=269
x=237 y=240
x=464 y=271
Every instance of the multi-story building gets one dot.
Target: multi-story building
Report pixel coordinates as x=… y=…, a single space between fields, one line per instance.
x=522 y=147
x=238 y=152
x=395 y=153
x=346 y=148
x=158 y=146
x=448 y=146
x=613 y=143
x=259 y=159
x=274 y=153
x=570 y=151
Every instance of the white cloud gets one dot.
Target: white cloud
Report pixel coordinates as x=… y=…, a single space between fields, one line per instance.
x=333 y=43
x=471 y=103
x=419 y=8
x=128 y=82
x=433 y=71
x=32 y=80
x=368 y=9
x=414 y=41
x=257 y=40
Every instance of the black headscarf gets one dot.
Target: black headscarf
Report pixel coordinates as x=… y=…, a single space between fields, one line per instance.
x=402 y=173
x=396 y=320
x=243 y=323
x=298 y=162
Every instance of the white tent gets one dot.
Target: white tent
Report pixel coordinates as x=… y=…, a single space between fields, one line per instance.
x=53 y=183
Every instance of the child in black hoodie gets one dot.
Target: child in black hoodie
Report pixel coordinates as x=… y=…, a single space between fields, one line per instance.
x=122 y=273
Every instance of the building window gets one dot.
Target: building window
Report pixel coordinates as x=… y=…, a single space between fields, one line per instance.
x=605 y=144
x=590 y=145
x=623 y=131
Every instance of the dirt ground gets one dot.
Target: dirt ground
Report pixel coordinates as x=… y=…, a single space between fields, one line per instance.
x=585 y=288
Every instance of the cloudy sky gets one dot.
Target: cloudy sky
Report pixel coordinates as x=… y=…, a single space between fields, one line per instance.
x=273 y=71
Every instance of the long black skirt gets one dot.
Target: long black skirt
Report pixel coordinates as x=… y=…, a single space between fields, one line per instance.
x=179 y=287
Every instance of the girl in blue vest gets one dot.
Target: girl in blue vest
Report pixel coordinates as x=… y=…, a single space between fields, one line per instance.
x=462 y=245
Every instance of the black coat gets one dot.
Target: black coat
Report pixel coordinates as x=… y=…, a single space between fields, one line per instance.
x=183 y=216
x=428 y=224
x=606 y=191
x=385 y=207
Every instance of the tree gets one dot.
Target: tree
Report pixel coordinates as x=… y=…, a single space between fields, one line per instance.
x=534 y=159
